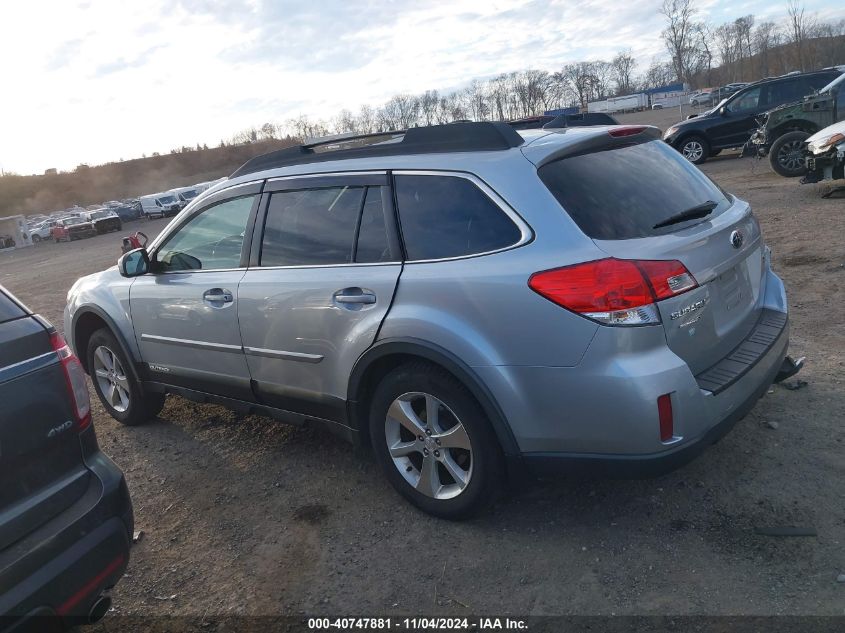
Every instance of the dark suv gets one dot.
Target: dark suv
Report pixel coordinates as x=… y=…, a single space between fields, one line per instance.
x=65 y=513
x=732 y=122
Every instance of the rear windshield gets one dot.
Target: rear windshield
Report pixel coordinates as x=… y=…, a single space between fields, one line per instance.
x=623 y=193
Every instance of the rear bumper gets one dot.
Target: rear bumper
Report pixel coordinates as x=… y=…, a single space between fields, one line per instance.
x=65 y=565
x=754 y=384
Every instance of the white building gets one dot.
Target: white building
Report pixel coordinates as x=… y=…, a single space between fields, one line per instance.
x=13 y=233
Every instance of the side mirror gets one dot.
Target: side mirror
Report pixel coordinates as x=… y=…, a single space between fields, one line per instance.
x=723 y=111
x=134 y=263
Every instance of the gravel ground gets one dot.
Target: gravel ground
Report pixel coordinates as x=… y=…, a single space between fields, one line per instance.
x=243 y=515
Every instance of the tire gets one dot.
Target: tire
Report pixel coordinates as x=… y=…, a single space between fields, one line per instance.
x=36 y=238
x=786 y=155
x=695 y=149
x=107 y=365
x=412 y=391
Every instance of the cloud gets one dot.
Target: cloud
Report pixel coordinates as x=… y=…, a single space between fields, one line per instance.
x=105 y=79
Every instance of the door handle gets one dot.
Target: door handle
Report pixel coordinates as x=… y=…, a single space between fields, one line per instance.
x=218 y=295
x=355 y=296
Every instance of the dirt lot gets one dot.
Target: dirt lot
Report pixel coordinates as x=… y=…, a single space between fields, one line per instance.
x=245 y=515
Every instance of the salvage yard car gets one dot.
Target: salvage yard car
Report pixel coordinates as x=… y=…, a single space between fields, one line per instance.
x=825 y=152
x=557 y=300
x=160 y=205
x=104 y=220
x=732 y=122
x=72 y=228
x=784 y=130
x=66 y=519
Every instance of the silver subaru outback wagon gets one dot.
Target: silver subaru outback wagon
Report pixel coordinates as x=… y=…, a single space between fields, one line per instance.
x=467 y=300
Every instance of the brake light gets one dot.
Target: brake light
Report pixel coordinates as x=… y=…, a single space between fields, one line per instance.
x=75 y=380
x=626 y=130
x=614 y=291
x=664 y=414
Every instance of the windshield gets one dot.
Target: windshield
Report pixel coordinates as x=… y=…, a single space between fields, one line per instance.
x=72 y=221
x=99 y=215
x=829 y=87
x=167 y=199
x=629 y=192
x=189 y=195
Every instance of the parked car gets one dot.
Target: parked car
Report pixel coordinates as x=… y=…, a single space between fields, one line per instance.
x=72 y=228
x=159 y=205
x=784 y=130
x=561 y=300
x=65 y=515
x=39 y=232
x=185 y=195
x=105 y=220
x=705 y=97
x=732 y=122
x=825 y=151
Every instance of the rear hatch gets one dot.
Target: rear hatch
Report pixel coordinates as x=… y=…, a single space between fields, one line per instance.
x=641 y=200
x=41 y=462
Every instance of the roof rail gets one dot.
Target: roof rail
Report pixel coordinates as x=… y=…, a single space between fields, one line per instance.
x=451 y=137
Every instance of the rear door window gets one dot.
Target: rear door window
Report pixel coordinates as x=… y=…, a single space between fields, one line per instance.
x=449 y=216
x=311 y=227
x=626 y=192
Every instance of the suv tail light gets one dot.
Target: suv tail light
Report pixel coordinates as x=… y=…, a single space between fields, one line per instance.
x=614 y=291
x=75 y=378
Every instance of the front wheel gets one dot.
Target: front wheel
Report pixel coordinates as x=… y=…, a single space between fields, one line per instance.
x=786 y=156
x=434 y=442
x=120 y=394
x=695 y=149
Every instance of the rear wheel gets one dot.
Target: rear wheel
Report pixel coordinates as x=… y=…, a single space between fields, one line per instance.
x=695 y=149
x=434 y=443
x=36 y=238
x=786 y=155
x=120 y=394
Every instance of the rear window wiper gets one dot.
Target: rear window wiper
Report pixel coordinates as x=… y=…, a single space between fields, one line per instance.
x=698 y=211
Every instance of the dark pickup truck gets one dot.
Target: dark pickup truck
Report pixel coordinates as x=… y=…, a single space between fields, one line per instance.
x=105 y=221
x=65 y=515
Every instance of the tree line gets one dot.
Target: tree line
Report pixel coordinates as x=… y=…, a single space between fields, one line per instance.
x=700 y=54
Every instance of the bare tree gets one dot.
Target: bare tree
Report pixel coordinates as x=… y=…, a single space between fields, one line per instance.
x=800 y=25
x=367 y=120
x=679 y=35
x=623 y=71
x=766 y=37
x=400 y=112
x=428 y=106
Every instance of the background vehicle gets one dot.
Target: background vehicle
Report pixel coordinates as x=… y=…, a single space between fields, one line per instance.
x=825 y=152
x=40 y=231
x=706 y=97
x=72 y=228
x=453 y=347
x=732 y=122
x=65 y=514
x=104 y=220
x=784 y=130
x=159 y=205
x=185 y=195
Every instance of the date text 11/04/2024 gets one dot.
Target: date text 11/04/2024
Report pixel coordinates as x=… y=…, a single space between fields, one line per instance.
x=418 y=624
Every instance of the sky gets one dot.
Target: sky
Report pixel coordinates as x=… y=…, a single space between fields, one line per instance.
x=102 y=80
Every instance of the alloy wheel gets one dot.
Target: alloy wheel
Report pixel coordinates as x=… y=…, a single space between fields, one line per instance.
x=790 y=155
x=111 y=378
x=693 y=151
x=428 y=445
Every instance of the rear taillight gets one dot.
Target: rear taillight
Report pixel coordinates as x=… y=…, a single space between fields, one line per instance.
x=614 y=291
x=75 y=379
